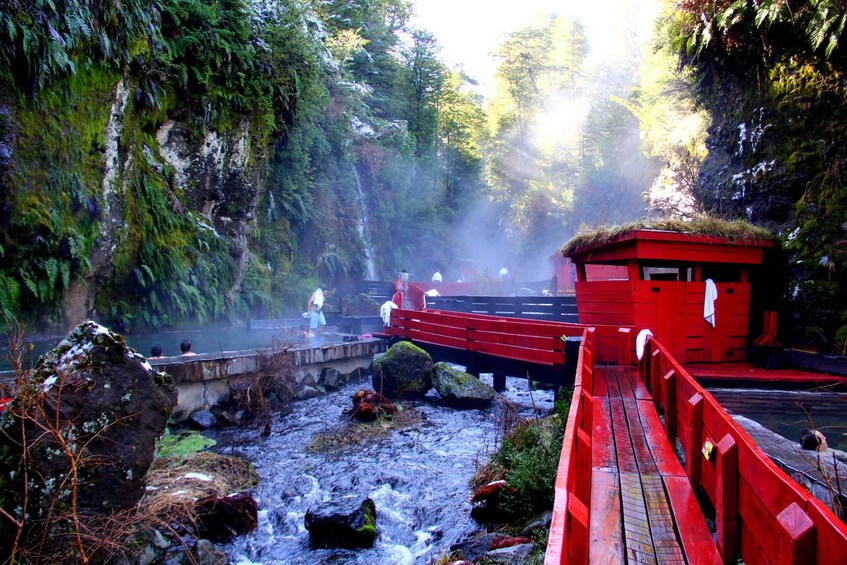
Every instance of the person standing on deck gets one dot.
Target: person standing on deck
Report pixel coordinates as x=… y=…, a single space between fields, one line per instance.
x=402 y=286
x=436 y=277
x=317 y=320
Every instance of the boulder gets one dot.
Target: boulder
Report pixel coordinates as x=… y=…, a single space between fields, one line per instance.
x=403 y=371
x=362 y=305
x=221 y=518
x=330 y=378
x=460 y=389
x=513 y=555
x=474 y=547
x=107 y=406
x=203 y=419
x=209 y=554
x=343 y=524
x=308 y=392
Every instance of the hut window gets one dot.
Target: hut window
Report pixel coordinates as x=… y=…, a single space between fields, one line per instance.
x=666 y=273
x=722 y=273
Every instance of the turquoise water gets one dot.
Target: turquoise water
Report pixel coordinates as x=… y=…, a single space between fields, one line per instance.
x=203 y=340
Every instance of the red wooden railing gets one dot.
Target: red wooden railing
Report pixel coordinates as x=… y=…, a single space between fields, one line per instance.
x=761 y=513
x=532 y=341
x=568 y=537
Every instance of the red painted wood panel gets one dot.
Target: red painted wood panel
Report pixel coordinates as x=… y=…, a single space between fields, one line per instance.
x=693 y=532
x=516 y=340
x=518 y=353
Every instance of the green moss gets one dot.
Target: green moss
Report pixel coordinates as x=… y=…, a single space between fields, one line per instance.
x=183 y=444
x=736 y=230
x=368 y=529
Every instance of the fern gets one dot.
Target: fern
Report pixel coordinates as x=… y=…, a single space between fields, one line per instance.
x=52 y=268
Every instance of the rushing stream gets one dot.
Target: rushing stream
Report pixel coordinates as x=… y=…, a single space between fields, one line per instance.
x=417 y=477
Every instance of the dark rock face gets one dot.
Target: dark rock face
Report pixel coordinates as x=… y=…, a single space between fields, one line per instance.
x=362 y=305
x=460 y=389
x=331 y=379
x=106 y=406
x=222 y=518
x=403 y=372
x=343 y=524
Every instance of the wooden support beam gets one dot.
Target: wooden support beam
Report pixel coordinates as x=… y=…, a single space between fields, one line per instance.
x=693 y=457
x=726 y=499
x=669 y=398
x=577 y=531
x=796 y=536
x=499 y=382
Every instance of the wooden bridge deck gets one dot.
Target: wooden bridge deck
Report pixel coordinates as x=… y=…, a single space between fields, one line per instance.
x=639 y=491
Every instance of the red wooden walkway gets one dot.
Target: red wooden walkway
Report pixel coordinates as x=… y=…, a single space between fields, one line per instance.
x=622 y=494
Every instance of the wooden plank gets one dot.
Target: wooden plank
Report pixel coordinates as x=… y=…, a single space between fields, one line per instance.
x=430 y=328
x=662 y=529
x=661 y=452
x=639 y=390
x=603 y=455
x=636 y=526
x=605 y=522
x=536 y=356
x=547 y=343
x=694 y=535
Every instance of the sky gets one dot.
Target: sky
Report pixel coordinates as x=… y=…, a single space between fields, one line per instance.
x=470 y=30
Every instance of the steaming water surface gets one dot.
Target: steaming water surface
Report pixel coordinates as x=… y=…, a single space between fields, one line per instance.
x=417 y=477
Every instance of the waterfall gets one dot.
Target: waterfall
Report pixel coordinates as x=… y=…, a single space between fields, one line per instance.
x=364 y=230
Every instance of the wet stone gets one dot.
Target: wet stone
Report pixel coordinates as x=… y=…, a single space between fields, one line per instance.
x=343 y=524
x=203 y=419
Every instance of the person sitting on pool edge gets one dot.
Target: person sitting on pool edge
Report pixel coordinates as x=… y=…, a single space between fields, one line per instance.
x=185 y=347
x=156 y=351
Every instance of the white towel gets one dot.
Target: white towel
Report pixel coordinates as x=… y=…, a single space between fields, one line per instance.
x=385 y=312
x=641 y=341
x=709 y=302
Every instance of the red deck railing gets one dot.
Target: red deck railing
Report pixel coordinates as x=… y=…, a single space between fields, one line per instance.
x=531 y=341
x=761 y=513
x=568 y=537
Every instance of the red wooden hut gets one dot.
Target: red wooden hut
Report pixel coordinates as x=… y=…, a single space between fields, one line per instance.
x=663 y=288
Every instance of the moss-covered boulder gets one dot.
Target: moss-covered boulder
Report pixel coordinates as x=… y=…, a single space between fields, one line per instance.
x=403 y=372
x=460 y=389
x=343 y=524
x=93 y=407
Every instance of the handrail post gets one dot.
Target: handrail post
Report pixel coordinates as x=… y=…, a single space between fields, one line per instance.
x=726 y=499
x=796 y=539
x=655 y=371
x=669 y=398
x=692 y=451
x=624 y=352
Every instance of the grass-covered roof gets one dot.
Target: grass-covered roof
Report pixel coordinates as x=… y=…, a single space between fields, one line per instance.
x=735 y=230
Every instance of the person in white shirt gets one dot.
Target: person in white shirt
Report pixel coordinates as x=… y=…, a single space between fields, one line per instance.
x=436 y=277
x=317 y=320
